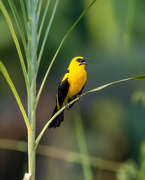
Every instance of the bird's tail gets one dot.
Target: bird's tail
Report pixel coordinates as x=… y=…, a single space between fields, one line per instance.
x=57 y=121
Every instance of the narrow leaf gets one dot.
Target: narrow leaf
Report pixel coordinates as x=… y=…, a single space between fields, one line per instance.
x=19 y=25
x=139 y=77
x=43 y=19
x=46 y=33
x=39 y=8
x=24 y=15
x=109 y=84
x=8 y=19
x=9 y=81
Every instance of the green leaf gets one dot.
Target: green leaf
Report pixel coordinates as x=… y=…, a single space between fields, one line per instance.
x=139 y=77
x=8 y=19
x=19 y=25
x=9 y=81
x=47 y=31
x=43 y=19
x=109 y=84
x=39 y=8
x=24 y=15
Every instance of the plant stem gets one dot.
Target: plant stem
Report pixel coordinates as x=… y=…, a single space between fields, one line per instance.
x=83 y=147
x=31 y=153
x=32 y=64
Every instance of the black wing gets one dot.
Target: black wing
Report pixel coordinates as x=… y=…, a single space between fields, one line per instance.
x=63 y=90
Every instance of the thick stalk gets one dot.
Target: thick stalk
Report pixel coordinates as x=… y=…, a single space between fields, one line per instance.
x=32 y=63
x=31 y=153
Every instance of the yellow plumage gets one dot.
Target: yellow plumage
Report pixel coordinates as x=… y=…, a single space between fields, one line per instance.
x=70 y=86
x=77 y=77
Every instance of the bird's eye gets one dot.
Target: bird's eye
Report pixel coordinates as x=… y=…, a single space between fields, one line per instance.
x=80 y=60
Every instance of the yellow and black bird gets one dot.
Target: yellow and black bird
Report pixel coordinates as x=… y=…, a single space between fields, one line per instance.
x=70 y=86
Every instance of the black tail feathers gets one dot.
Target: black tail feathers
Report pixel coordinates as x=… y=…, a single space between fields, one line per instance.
x=57 y=121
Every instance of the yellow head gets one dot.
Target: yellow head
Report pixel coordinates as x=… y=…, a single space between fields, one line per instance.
x=78 y=62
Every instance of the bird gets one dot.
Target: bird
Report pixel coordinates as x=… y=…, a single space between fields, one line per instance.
x=71 y=85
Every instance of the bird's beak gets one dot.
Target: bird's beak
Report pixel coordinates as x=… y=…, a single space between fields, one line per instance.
x=84 y=63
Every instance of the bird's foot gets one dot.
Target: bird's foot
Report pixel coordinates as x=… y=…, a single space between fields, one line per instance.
x=67 y=105
x=79 y=96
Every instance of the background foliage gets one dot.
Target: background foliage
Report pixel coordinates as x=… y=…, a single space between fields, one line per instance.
x=112 y=36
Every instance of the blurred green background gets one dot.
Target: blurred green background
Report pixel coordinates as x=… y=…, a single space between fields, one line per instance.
x=112 y=36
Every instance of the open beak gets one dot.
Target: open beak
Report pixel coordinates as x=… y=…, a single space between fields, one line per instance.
x=83 y=62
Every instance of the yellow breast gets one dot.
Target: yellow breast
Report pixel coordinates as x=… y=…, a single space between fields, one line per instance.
x=76 y=79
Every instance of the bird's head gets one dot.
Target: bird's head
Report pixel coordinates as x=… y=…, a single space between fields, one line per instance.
x=78 y=61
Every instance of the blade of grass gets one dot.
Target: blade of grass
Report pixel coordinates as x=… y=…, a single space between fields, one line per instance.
x=19 y=25
x=138 y=77
x=27 y=8
x=24 y=15
x=106 y=85
x=39 y=8
x=46 y=33
x=8 y=19
x=43 y=19
x=9 y=81
x=63 y=40
x=93 y=90
x=82 y=146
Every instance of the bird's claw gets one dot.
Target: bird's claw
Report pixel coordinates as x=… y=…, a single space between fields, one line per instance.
x=79 y=96
x=67 y=105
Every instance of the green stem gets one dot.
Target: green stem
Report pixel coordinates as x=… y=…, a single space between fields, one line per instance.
x=31 y=152
x=32 y=64
x=83 y=147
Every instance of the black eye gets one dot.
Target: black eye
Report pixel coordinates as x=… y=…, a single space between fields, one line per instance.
x=80 y=60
